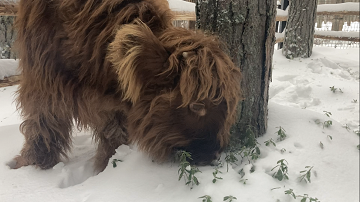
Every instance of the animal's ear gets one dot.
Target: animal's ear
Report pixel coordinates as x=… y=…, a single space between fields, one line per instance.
x=138 y=56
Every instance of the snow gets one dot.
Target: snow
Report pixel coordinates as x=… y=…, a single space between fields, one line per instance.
x=279 y=35
x=349 y=6
x=338 y=34
x=8 y=67
x=299 y=95
x=280 y=12
x=179 y=5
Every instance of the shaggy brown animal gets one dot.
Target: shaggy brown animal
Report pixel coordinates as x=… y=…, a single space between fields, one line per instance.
x=120 y=68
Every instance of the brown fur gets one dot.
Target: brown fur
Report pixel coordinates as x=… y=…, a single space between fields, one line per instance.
x=119 y=67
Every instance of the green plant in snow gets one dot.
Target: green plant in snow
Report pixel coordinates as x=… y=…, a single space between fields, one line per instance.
x=243 y=181
x=283 y=150
x=330 y=137
x=229 y=198
x=268 y=142
x=187 y=171
x=230 y=158
x=252 y=169
x=328 y=114
x=245 y=147
x=304 y=198
x=333 y=89
x=327 y=124
x=347 y=127
x=282 y=172
x=215 y=175
x=306 y=174
x=321 y=145
x=281 y=134
x=242 y=174
x=354 y=101
x=290 y=192
x=206 y=198
x=114 y=162
x=250 y=153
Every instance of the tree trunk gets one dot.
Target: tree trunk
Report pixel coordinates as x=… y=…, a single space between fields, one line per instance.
x=299 y=33
x=248 y=28
x=7 y=37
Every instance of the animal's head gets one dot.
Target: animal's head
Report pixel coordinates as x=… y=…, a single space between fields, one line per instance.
x=183 y=88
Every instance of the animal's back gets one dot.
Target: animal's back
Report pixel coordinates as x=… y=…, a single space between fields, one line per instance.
x=63 y=46
x=70 y=37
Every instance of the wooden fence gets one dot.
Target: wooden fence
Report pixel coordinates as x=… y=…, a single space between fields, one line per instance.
x=9 y=8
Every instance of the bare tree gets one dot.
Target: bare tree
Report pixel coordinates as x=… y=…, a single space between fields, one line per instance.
x=248 y=28
x=300 y=28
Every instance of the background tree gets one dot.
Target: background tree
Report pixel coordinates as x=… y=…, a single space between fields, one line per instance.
x=300 y=28
x=248 y=28
x=7 y=37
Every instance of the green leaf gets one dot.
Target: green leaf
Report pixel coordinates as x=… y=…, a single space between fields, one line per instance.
x=279 y=175
x=286 y=177
x=214 y=180
x=196 y=180
x=303 y=200
x=181 y=175
x=274 y=167
x=308 y=175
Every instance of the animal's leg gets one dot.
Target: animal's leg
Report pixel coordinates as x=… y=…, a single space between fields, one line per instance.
x=47 y=138
x=110 y=135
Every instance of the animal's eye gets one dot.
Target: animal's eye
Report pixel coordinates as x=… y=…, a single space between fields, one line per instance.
x=198 y=108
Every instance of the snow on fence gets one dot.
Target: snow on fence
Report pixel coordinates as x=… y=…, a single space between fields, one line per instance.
x=348 y=33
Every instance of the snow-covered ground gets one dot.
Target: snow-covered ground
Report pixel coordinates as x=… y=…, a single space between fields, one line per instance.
x=299 y=94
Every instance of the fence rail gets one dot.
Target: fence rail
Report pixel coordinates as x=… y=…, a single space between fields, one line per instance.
x=9 y=8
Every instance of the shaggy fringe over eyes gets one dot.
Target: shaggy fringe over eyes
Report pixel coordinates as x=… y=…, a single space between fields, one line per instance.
x=206 y=71
x=136 y=53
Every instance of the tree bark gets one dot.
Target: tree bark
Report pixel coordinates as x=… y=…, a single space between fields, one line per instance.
x=299 y=33
x=7 y=37
x=248 y=28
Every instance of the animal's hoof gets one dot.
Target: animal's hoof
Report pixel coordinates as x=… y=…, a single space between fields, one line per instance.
x=17 y=162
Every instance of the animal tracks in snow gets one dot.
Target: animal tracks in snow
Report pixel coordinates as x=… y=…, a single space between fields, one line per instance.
x=79 y=166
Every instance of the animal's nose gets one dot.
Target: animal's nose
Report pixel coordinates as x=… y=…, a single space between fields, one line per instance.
x=216 y=162
x=213 y=160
